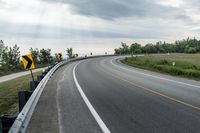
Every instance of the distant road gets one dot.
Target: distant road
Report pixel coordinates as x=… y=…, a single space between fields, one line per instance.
x=102 y=95
x=19 y=74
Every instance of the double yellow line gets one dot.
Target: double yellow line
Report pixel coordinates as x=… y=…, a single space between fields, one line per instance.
x=148 y=89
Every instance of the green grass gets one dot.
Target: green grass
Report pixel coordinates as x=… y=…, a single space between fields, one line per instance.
x=9 y=93
x=186 y=65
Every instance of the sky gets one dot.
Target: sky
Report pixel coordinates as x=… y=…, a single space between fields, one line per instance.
x=96 y=26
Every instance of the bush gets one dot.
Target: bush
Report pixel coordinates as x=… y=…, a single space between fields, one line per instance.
x=192 y=73
x=177 y=71
x=191 y=50
x=158 y=67
x=164 y=62
x=138 y=51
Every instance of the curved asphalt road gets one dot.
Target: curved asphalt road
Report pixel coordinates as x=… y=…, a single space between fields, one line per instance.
x=122 y=99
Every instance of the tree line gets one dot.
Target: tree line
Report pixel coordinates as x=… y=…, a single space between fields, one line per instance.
x=180 y=46
x=10 y=58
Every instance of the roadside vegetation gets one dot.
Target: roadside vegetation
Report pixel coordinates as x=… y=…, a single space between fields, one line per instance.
x=180 y=46
x=183 y=65
x=9 y=93
x=10 y=62
x=182 y=59
x=10 y=58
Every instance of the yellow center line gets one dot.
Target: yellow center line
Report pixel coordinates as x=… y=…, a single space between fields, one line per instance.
x=148 y=89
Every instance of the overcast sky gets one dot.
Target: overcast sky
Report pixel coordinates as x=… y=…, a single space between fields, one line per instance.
x=95 y=25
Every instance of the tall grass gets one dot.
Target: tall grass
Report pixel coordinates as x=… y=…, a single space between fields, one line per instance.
x=186 y=65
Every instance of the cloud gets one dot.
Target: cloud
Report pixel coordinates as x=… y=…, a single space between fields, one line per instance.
x=90 y=21
x=45 y=32
x=129 y=29
x=114 y=9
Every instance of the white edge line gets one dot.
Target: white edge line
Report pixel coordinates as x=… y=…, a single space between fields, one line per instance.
x=153 y=75
x=89 y=105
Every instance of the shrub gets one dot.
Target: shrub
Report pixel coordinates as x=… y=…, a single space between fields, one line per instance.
x=164 y=62
x=138 y=51
x=192 y=73
x=191 y=50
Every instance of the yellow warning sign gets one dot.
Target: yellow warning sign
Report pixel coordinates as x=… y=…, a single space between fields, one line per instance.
x=59 y=56
x=28 y=62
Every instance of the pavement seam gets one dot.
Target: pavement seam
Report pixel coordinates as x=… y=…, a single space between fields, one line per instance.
x=57 y=102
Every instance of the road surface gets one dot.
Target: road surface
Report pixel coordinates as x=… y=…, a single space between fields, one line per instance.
x=103 y=95
x=17 y=75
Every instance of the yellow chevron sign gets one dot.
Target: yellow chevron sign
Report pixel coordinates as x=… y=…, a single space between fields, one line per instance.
x=59 y=56
x=28 y=62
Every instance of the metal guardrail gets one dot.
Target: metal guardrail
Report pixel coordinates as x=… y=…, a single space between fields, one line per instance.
x=23 y=118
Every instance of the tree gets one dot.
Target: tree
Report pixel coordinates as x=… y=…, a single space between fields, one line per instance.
x=11 y=58
x=138 y=51
x=45 y=56
x=150 y=48
x=135 y=48
x=125 y=48
x=14 y=54
x=35 y=53
x=3 y=49
x=70 y=52
x=117 y=51
x=191 y=50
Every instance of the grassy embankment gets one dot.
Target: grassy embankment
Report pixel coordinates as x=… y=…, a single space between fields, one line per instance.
x=186 y=65
x=6 y=71
x=9 y=93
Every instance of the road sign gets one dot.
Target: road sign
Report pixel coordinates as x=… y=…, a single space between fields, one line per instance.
x=59 y=56
x=28 y=62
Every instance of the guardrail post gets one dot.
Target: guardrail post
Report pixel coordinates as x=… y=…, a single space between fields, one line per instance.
x=33 y=85
x=1 y=126
x=23 y=98
x=6 y=123
x=39 y=78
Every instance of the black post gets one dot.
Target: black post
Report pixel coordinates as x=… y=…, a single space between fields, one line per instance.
x=23 y=98
x=6 y=123
x=1 y=126
x=32 y=75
